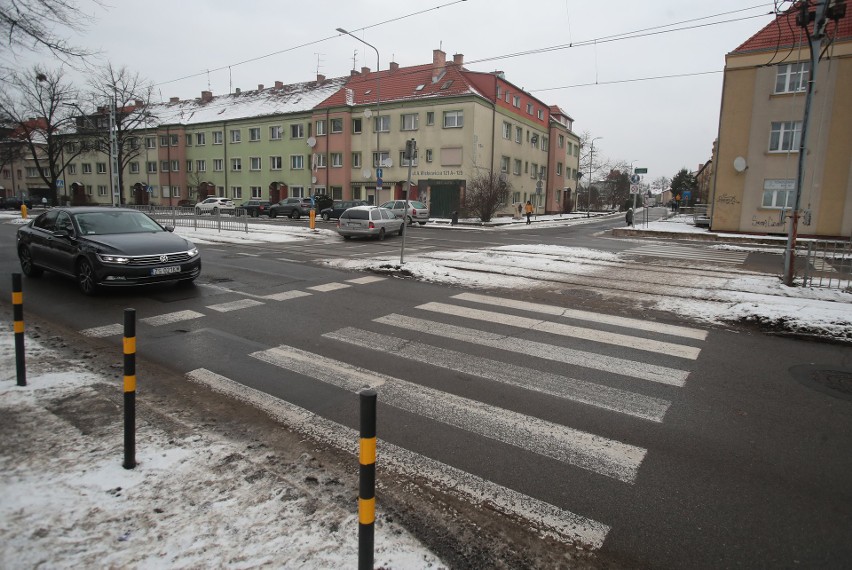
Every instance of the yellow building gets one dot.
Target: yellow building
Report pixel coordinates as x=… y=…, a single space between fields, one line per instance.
x=760 y=125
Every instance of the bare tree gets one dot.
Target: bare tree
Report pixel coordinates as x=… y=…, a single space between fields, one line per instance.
x=486 y=193
x=35 y=104
x=131 y=95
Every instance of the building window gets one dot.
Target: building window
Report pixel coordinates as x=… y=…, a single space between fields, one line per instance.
x=297 y=131
x=174 y=139
x=254 y=163
x=356 y=126
x=134 y=143
x=164 y=166
x=508 y=96
x=529 y=108
x=236 y=164
x=453 y=119
x=384 y=156
x=166 y=192
x=541 y=114
x=558 y=169
x=102 y=169
x=102 y=190
x=779 y=193
x=237 y=191
x=785 y=136
x=297 y=192
x=275 y=163
x=200 y=139
x=256 y=192
x=319 y=160
x=337 y=192
x=336 y=125
x=337 y=160
x=356 y=160
x=175 y=166
x=254 y=134
x=381 y=124
x=275 y=133
x=519 y=134
x=217 y=137
x=176 y=191
x=410 y=122
x=516 y=101
x=430 y=118
x=164 y=140
x=534 y=171
x=236 y=135
x=507 y=131
x=516 y=169
x=428 y=155
x=792 y=77
x=151 y=167
x=297 y=162
x=560 y=142
x=188 y=140
x=189 y=166
x=32 y=172
x=320 y=128
x=504 y=164
x=545 y=144
x=201 y=165
x=150 y=142
x=218 y=165
x=404 y=161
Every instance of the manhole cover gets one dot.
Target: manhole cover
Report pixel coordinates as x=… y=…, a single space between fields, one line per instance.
x=837 y=383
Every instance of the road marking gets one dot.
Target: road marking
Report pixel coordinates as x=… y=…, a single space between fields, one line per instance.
x=234 y=305
x=104 y=331
x=326 y=287
x=594 y=335
x=169 y=318
x=621 y=366
x=287 y=295
x=605 y=397
x=366 y=280
x=553 y=521
x=249 y=254
x=291 y=260
x=643 y=325
x=588 y=451
x=687 y=253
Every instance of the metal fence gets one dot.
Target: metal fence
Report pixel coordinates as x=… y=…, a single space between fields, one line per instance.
x=827 y=264
x=186 y=217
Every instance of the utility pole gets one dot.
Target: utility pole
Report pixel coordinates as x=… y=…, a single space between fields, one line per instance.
x=113 y=154
x=815 y=43
x=410 y=154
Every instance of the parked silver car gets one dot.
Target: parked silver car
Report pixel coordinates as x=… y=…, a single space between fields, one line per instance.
x=215 y=205
x=417 y=211
x=371 y=221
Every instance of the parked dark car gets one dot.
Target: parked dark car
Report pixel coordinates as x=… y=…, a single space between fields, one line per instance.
x=338 y=207
x=14 y=203
x=255 y=208
x=297 y=207
x=100 y=246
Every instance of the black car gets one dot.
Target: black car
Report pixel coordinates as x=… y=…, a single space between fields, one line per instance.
x=297 y=207
x=255 y=208
x=338 y=207
x=101 y=246
x=14 y=203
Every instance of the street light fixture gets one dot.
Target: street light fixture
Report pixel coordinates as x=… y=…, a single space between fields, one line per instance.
x=591 y=160
x=378 y=122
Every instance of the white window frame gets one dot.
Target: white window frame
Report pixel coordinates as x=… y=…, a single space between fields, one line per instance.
x=134 y=168
x=404 y=161
x=164 y=166
x=429 y=155
x=357 y=126
x=336 y=125
x=792 y=77
x=778 y=194
x=507 y=130
x=454 y=119
x=218 y=165
x=236 y=136
x=381 y=124
x=255 y=163
x=218 y=137
x=505 y=162
x=150 y=142
x=201 y=166
x=256 y=192
x=297 y=131
x=276 y=163
x=297 y=162
x=200 y=139
x=785 y=136
x=409 y=121
x=320 y=126
x=275 y=133
x=175 y=166
x=102 y=167
x=356 y=160
x=236 y=164
x=150 y=167
x=319 y=160
x=237 y=192
x=337 y=160
x=254 y=134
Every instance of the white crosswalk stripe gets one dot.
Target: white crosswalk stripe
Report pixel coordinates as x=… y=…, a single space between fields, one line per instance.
x=696 y=253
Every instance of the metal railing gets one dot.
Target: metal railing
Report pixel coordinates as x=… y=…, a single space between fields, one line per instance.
x=187 y=218
x=828 y=264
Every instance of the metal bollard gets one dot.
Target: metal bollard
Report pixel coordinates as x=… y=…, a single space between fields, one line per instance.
x=129 y=389
x=18 y=316
x=367 y=481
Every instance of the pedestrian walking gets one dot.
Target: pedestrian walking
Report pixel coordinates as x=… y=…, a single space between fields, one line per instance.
x=629 y=217
x=529 y=210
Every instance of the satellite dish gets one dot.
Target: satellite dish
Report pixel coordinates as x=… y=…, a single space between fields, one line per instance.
x=312 y=142
x=503 y=177
x=740 y=164
x=387 y=163
x=366 y=173
x=313 y=179
x=368 y=113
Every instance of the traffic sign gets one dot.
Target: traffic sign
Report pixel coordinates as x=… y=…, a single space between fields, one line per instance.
x=640 y=171
x=378 y=183
x=379 y=173
x=634 y=179
x=634 y=188
x=60 y=183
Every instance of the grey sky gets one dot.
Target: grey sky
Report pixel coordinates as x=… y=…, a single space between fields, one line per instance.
x=662 y=124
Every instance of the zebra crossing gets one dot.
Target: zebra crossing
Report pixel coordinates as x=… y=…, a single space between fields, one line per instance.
x=615 y=459
x=691 y=253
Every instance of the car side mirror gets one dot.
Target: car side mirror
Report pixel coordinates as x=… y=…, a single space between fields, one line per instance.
x=169 y=228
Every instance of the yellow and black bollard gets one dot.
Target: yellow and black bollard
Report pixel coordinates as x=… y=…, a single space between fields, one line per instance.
x=367 y=481
x=18 y=316
x=129 y=388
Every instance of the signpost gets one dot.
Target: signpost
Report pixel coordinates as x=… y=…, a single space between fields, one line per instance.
x=640 y=171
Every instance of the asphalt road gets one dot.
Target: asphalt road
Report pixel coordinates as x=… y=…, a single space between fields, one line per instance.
x=681 y=447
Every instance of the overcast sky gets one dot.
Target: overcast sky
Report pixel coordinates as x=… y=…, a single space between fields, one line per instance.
x=662 y=124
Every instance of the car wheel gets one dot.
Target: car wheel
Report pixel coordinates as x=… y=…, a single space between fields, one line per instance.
x=347 y=237
x=254 y=214
x=326 y=217
x=401 y=229
x=422 y=223
x=86 y=277
x=408 y=220
x=198 y=211
x=381 y=234
x=27 y=267
x=272 y=214
x=295 y=215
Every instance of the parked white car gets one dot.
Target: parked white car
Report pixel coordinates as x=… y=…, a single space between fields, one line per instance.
x=370 y=221
x=417 y=211
x=215 y=205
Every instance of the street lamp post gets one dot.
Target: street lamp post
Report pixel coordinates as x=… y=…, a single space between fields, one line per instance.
x=633 y=196
x=378 y=102
x=591 y=160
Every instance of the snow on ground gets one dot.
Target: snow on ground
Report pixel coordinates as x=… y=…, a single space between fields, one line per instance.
x=198 y=500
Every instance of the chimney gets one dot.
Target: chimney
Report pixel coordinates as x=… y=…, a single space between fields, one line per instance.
x=320 y=78
x=439 y=59
x=260 y=86
x=174 y=99
x=458 y=59
x=365 y=70
x=237 y=90
x=138 y=102
x=279 y=85
x=354 y=72
x=394 y=66
x=206 y=96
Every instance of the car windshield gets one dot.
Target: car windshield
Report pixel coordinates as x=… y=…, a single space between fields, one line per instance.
x=418 y=205
x=104 y=223
x=358 y=214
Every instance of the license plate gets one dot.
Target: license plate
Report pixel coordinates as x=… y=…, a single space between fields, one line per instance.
x=165 y=270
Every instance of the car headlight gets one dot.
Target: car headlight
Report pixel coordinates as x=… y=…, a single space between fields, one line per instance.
x=192 y=252
x=118 y=259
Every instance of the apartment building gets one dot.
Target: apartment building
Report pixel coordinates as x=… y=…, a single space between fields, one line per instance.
x=755 y=165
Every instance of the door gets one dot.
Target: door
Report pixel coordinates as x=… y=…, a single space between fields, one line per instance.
x=444 y=198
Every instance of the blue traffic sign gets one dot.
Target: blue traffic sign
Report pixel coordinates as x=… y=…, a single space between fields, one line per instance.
x=378 y=182
x=379 y=173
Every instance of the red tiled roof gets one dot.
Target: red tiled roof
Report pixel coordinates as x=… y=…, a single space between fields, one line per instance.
x=784 y=32
x=401 y=84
